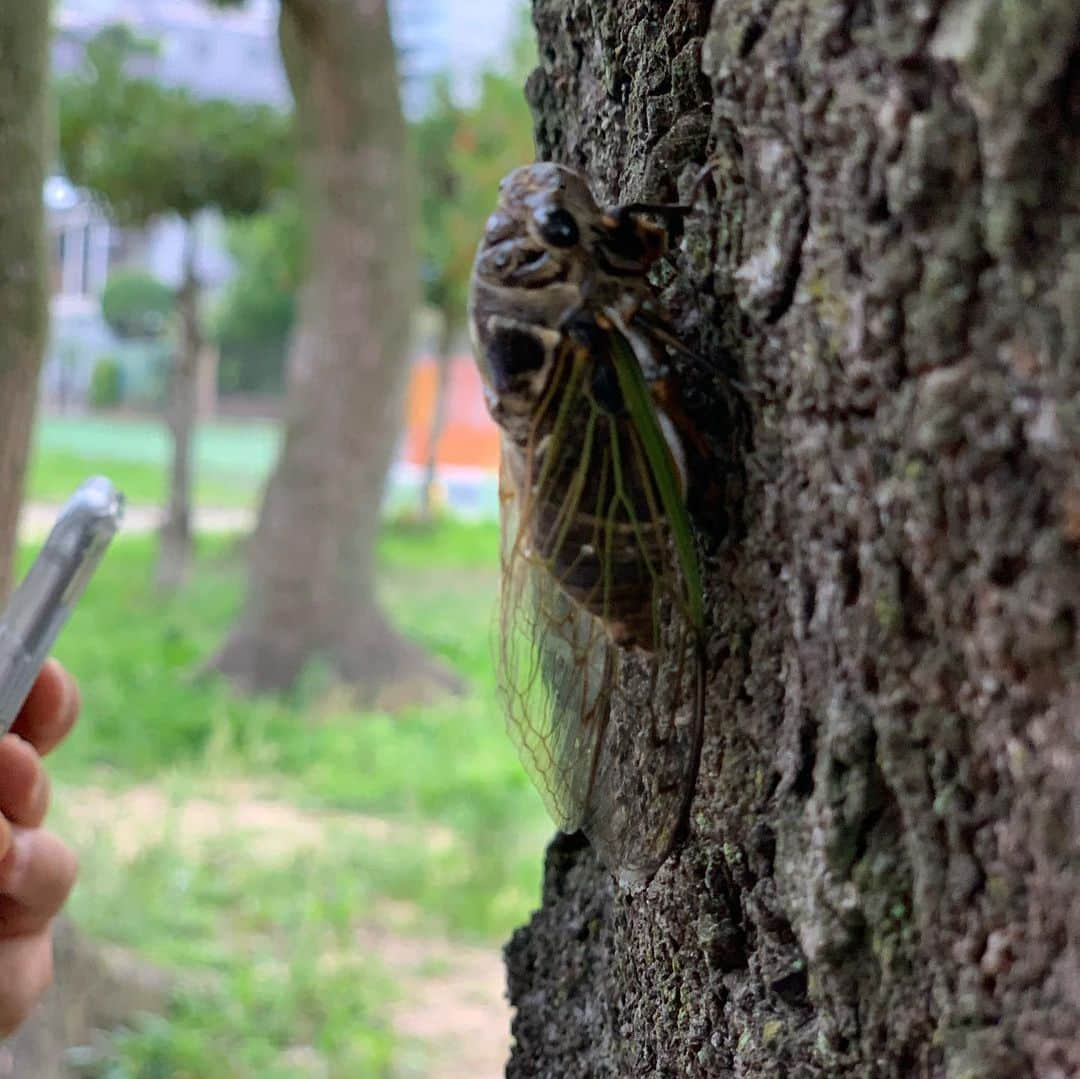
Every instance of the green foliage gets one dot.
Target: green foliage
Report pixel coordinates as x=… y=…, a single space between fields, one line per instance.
x=136 y=304
x=462 y=154
x=148 y=149
x=433 y=137
x=254 y=316
x=106 y=383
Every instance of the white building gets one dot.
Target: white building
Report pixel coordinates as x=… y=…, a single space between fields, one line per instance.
x=233 y=53
x=228 y=53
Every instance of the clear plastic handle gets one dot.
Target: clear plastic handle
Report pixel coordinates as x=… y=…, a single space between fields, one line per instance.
x=45 y=598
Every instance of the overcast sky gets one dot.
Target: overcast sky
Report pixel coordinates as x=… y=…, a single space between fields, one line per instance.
x=463 y=36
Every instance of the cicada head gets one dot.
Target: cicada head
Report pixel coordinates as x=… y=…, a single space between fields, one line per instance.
x=548 y=253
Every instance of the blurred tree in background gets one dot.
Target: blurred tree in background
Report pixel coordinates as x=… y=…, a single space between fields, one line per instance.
x=24 y=35
x=462 y=152
x=312 y=586
x=149 y=151
x=254 y=317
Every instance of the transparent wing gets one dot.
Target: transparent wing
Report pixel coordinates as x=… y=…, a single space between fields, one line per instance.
x=591 y=556
x=554 y=671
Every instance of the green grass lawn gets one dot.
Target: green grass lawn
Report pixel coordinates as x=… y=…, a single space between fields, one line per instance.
x=231 y=459
x=422 y=821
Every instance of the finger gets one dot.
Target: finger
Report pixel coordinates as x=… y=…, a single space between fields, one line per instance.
x=24 y=785
x=27 y=963
x=36 y=876
x=50 y=709
x=19 y=921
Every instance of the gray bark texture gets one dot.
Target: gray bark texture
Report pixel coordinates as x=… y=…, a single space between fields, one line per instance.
x=24 y=37
x=882 y=874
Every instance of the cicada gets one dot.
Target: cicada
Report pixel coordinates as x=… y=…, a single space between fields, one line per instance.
x=601 y=613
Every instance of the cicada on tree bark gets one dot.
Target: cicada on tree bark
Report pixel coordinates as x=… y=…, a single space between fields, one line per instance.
x=601 y=603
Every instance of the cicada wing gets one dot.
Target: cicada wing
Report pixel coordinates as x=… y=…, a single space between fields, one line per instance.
x=597 y=548
x=553 y=663
x=645 y=769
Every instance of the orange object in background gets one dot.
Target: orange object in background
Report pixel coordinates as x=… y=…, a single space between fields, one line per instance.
x=469 y=438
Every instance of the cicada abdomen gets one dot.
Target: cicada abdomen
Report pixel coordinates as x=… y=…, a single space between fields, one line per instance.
x=601 y=593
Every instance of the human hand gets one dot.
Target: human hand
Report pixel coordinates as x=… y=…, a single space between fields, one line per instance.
x=36 y=869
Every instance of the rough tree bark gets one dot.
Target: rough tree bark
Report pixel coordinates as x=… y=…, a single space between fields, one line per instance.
x=312 y=574
x=24 y=36
x=174 y=550
x=883 y=865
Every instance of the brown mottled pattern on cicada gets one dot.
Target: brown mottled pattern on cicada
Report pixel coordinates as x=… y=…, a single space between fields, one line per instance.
x=600 y=599
x=599 y=530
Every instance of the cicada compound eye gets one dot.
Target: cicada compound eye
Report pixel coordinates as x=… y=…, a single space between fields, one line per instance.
x=558 y=227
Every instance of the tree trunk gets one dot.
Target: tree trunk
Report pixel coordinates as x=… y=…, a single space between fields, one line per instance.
x=174 y=551
x=438 y=416
x=24 y=37
x=883 y=865
x=94 y=989
x=312 y=572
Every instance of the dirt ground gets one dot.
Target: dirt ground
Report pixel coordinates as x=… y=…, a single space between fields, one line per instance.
x=450 y=1001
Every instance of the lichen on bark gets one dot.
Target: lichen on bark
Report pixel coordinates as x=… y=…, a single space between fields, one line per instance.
x=880 y=876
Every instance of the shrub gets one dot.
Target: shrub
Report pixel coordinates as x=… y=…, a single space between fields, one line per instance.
x=136 y=304
x=106 y=384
